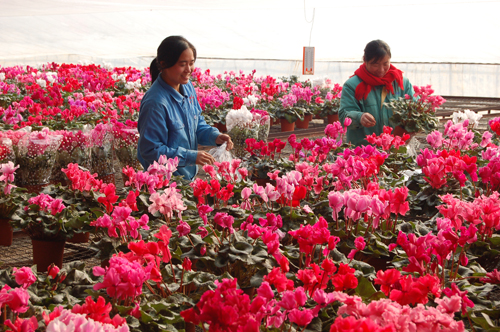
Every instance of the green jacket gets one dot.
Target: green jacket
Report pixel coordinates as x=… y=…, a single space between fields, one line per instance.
x=352 y=108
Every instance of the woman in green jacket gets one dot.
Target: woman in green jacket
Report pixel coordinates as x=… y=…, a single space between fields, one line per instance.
x=363 y=95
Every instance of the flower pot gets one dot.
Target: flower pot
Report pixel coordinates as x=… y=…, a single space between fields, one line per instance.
x=189 y=327
x=35 y=188
x=105 y=263
x=333 y=118
x=399 y=131
x=302 y=124
x=287 y=126
x=6 y=232
x=79 y=238
x=250 y=291
x=308 y=117
x=110 y=178
x=222 y=127
x=262 y=182
x=46 y=253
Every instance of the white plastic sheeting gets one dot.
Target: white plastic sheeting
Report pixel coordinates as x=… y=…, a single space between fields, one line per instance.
x=447 y=43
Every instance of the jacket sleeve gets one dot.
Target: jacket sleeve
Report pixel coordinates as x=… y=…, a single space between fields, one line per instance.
x=153 y=140
x=349 y=107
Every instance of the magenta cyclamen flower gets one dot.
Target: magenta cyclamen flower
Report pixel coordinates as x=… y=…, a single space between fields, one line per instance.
x=24 y=276
x=122 y=279
x=224 y=220
x=183 y=228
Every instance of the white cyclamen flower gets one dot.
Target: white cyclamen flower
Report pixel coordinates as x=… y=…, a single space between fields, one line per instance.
x=2 y=77
x=41 y=82
x=239 y=117
x=472 y=116
x=250 y=101
x=51 y=77
x=107 y=65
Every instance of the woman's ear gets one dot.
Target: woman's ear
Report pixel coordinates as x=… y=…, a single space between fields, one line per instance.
x=162 y=65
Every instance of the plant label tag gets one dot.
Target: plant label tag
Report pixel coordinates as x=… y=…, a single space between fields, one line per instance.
x=308 y=61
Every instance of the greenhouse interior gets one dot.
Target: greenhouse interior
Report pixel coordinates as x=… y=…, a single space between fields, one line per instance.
x=282 y=165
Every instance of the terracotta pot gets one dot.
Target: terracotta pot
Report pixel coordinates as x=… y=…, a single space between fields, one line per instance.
x=222 y=127
x=35 y=188
x=6 y=233
x=189 y=327
x=105 y=263
x=46 y=253
x=79 y=238
x=302 y=124
x=333 y=118
x=399 y=131
x=262 y=182
x=110 y=178
x=250 y=291
x=308 y=117
x=287 y=126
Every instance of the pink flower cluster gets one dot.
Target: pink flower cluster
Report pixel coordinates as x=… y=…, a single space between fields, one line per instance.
x=8 y=170
x=122 y=220
x=385 y=315
x=123 y=279
x=483 y=212
x=68 y=321
x=443 y=164
x=96 y=311
x=157 y=176
x=423 y=94
x=47 y=203
x=458 y=137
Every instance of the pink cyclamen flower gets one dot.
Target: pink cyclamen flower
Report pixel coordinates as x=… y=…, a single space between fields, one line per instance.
x=53 y=271
x=360 y=243
x=301 y=318
x=183 y=228
x=24 y=276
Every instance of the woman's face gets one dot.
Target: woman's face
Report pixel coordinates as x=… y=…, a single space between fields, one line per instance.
x=379 y=68
x=181 y=71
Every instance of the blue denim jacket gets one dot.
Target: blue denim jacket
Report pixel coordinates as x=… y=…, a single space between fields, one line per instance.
x=171 y=124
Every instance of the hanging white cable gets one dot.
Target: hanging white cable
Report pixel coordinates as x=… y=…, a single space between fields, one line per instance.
x=311 y=21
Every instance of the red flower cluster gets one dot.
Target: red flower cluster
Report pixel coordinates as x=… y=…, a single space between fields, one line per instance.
x=407 y=289
x=387 y=141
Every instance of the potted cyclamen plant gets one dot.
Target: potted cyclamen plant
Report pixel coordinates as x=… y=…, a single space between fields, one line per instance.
x=126 y=138
x=48 y=222
x=36 y=154
x=331 y=103
x=412 y=114
x=74 y=148
x=11 y=197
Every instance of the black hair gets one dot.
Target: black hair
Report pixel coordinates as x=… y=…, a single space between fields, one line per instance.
x=376 y=50
x=169 y=52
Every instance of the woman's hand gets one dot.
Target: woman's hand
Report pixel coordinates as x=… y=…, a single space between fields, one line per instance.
x=225 y=138
x=204 y=158
x=367 y=120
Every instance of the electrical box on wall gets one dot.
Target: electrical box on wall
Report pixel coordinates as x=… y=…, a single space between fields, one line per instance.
x=308 y=61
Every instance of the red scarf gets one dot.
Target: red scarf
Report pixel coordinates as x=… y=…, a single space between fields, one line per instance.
x=368 y=81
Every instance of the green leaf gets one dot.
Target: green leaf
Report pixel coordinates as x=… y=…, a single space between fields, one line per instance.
x=365 y=288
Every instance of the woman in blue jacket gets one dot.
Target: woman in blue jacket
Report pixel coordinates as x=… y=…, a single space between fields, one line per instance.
x=363 y=95
x=170 y=119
